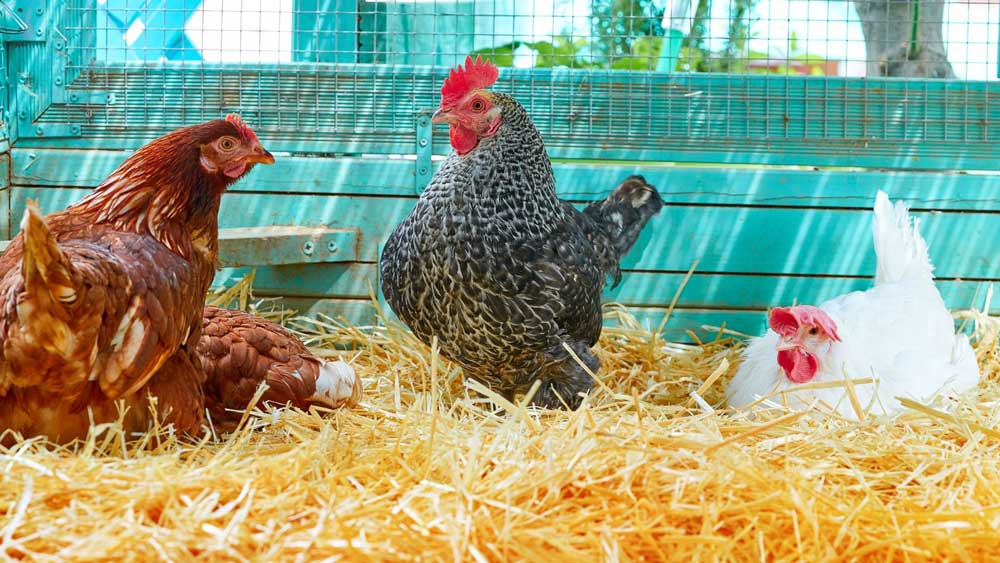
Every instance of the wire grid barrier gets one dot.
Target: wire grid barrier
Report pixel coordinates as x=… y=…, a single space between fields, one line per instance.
x=374 y=64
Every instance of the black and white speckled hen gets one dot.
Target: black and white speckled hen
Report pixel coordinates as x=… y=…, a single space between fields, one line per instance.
x=496 y=266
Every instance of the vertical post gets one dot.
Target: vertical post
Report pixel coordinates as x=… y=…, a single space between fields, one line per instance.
x=425 y=148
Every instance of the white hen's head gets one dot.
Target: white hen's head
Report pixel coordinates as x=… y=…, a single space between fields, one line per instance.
x=806 y=333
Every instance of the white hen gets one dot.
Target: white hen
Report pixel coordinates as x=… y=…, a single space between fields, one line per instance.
x=898 y=333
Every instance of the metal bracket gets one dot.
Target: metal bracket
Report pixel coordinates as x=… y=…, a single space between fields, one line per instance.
x=25 y=22
x=52 y=130
x=281 y=245
x=425 y=149
x=276 y=246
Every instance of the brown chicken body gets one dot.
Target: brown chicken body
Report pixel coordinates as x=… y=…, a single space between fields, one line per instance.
x=239 y=352
x=103 y=301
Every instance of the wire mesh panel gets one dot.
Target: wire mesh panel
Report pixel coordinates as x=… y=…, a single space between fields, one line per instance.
x=751 y=80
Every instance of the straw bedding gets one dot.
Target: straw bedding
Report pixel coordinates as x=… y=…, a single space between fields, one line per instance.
x=425 y=469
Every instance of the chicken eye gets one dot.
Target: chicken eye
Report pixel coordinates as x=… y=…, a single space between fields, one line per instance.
x=814 y=331
x=478 y=105
x=227 y=143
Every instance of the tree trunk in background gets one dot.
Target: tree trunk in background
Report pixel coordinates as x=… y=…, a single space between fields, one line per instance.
x=888 y=27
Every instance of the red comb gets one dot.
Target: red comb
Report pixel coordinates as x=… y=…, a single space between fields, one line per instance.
x=786 y=320
x=476 y=74
x=245 y=129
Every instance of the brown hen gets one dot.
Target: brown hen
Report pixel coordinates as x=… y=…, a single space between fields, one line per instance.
x=103 y=301
x=240 y=351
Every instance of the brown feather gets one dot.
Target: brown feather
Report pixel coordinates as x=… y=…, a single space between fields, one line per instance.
x=239 y=352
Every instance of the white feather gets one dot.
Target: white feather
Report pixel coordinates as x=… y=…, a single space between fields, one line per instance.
x=335 y=383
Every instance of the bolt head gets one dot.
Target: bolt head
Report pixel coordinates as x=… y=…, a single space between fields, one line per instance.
x=308 y=247
x=332 y=247
x=40 y=131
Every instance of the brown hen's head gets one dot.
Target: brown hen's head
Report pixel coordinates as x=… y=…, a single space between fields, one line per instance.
x=171 y=187
x=233 y=151
x=471 y=111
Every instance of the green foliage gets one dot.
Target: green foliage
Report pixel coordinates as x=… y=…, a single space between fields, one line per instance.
x=563 y=51
x=626 y=35
x=621 y=29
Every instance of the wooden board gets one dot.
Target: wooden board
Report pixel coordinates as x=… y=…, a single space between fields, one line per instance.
x=681 y=184
x=723 y=239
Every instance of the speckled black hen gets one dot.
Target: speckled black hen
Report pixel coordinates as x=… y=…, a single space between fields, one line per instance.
x=497 y=267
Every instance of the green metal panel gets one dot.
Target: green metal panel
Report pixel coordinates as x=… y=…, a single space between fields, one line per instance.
x=428 y=33
x=325 y=31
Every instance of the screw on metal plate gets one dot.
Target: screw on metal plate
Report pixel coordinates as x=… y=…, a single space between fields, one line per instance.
x=75 y=129
x=332 y=247
x=74 y=97
x=40 y=131
x=58 y=80
x=424 y=150
x=308 y=247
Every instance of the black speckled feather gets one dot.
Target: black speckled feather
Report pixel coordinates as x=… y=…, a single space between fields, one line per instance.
x=503 y=272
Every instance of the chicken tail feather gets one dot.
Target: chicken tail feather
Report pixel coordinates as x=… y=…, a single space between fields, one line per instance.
x=900 y=251
x=44 y=266
x=625 y=212
x=337 y=385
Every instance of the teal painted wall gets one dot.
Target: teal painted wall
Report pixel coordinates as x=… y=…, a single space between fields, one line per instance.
x=769 y=180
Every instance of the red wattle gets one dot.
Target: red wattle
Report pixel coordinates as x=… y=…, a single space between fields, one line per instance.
x=800 y=366
x=462 y=140
x=235 y=170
